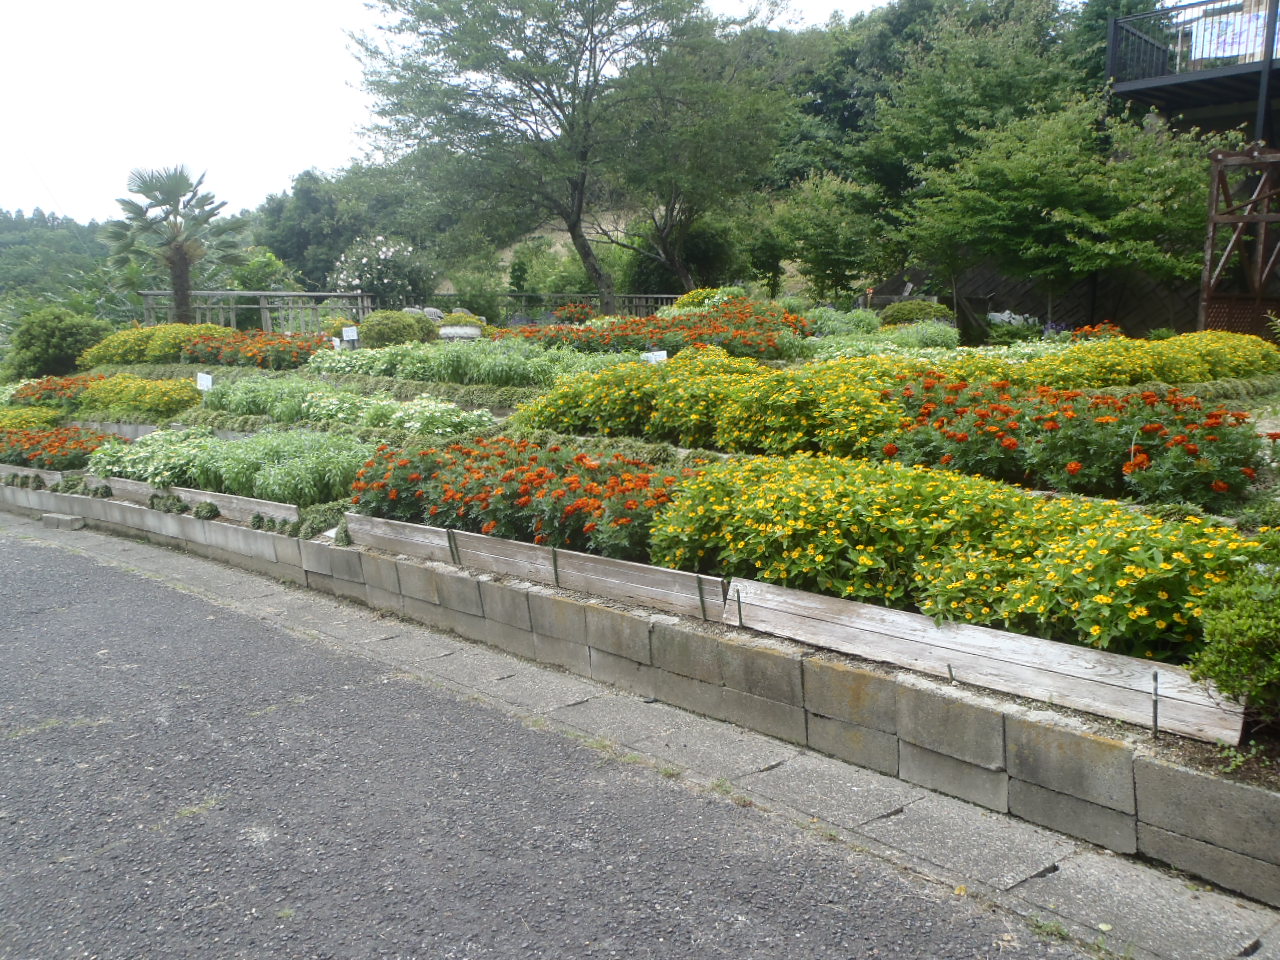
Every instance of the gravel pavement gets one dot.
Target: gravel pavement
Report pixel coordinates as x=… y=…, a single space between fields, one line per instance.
x=183 y=779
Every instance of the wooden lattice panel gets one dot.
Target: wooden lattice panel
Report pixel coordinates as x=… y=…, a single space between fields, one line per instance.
x=1244 y=315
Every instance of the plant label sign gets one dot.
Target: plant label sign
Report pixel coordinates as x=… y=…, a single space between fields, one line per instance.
x=350 y=333
x=204 y=381
x=337 y=343
x=655 y=356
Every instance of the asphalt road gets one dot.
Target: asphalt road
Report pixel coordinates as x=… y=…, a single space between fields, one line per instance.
x=181 y=780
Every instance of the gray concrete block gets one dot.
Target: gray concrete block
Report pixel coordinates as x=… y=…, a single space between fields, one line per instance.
x=192 y=530
x=288 y=549
x=620 y=672
x=690 y=694
x=556 y=616
x=689 y=652
x=782 y=720
x=946 y=774
x=417 y=582
x=506 y=603
x=428 y=614
x=315 y=557
x=620 y=632
x=344 y=562
x=863 y=746
x=1235 y=871
x=1071 y=762
x=1070 y=815
x=61 y=521
x=337 y=587
x=381 y=599
x=957 y=726
x=833 y=790
x=574 y=657
x=763 y=668
x=1202 y=807
x=459 y=592
x=849 y=693
x=506 y=637
x=380 y=573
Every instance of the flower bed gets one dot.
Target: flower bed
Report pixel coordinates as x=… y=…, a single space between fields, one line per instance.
x=59 y=448
x=158 y=344
x=299 y=466
x=58 y=392
x=1156 y=447
x=500 y=363
x=957 y=548
x=298 y=399
x=521 y=491
x=741 y=326
x=254 y=348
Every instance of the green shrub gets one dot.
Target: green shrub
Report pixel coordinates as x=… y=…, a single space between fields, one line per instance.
x=926 y=333
x=830 y=322
x=123 y=346
x=206 y=510
x=1241 y=652
x=382 y=328
x=49 y=341
x=913 y=311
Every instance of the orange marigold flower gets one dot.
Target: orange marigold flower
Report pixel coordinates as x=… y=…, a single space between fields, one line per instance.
x=1074 y=467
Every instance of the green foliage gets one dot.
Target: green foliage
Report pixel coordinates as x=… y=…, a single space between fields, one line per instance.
x=480 y=286
x=318 y=517
x=48 y=342
x=1062 y=193
x=383 y=328
x=830 y=322
x=914 y=311
x=507 y=362
x=834 y=233
x=206 y=510
x=925 y=334
x=157 y=345
x=1241 y=652
x=299 y=466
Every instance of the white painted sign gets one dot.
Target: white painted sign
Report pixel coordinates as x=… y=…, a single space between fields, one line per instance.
x=204 y=381
x=657 y=356
x=337 y=344
x=350 y=333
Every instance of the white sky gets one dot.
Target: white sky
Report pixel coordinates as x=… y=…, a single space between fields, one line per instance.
x=252 y=92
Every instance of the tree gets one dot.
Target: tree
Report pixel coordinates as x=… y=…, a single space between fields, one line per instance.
x=178 y=227
x=834 y=232
x=703 y=125
x=523 y=90
x=1061 y=194
x=984 y=65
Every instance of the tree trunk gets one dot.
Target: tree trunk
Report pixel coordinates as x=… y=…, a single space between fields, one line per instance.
x=591 y=263
x=180 y=280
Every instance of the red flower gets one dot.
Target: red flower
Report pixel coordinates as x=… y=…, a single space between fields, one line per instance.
x=1221 y=486
x=890 y=449
x=1074 y=467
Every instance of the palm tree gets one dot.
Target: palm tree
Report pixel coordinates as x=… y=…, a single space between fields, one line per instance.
x=177 y=227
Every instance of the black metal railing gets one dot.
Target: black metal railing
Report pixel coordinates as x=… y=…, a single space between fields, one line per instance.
x=1188 y=38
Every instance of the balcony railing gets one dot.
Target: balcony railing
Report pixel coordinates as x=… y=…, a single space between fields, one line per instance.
x=1188 y=38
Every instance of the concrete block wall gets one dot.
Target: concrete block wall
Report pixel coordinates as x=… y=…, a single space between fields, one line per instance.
x=1038 y=765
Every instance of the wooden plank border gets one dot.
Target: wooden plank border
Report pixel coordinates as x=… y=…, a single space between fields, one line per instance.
x=1095 y=681
x=692 y=594
x=394 y=536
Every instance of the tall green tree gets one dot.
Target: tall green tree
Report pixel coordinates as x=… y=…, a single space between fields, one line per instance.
x=703 y=124
x=1062 y=194
x=177 y=226
x=524 y=89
